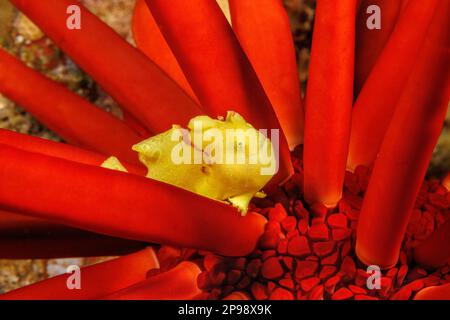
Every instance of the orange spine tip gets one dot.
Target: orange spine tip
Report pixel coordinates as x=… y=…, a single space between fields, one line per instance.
x=446 y=182
x=179 y=283
x=434 y=293
x=237 y=296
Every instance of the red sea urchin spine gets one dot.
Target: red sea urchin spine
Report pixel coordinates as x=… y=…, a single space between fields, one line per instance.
x=264 y=32
x=370 y=42
x=22 y=237
x=60 y=150
x=97 y=280
x=237 y=296
x=150 y=40
x=133 y=80
x=122 y=205
x=446 y=182
x=434 y=293
x=216 y=66
x=406 y=150
x=376 y=103
x=179 y=283
x=73 y=118
x=434 y=251
x=329 y=101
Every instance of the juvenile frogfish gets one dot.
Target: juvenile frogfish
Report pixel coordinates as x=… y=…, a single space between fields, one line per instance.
x=222 y=159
